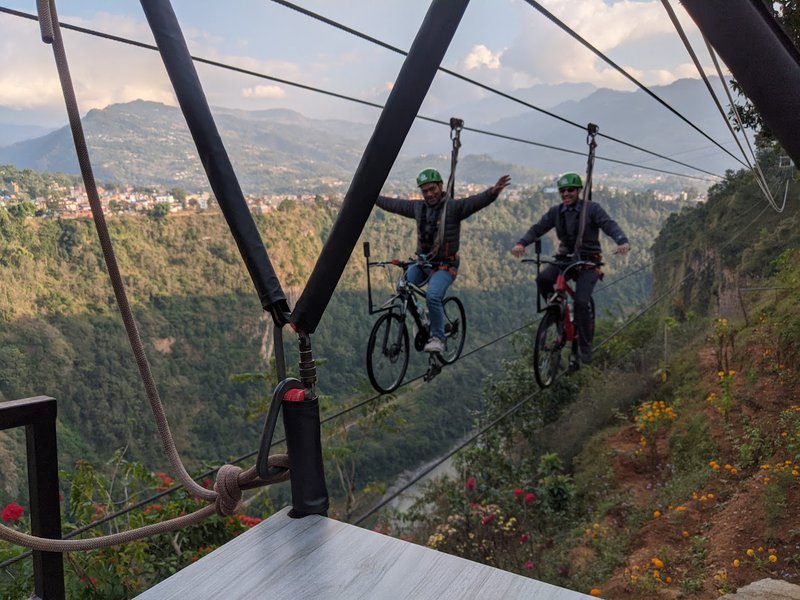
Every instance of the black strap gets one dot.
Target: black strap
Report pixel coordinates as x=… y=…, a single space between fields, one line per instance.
x=592 y=130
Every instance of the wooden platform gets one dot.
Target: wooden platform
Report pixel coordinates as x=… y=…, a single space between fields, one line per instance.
x=317 y=557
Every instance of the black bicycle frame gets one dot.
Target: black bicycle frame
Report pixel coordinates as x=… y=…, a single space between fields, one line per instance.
x=406 y=295
x=537 y=246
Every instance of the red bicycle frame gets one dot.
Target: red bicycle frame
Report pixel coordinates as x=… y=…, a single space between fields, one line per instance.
x=569 y=322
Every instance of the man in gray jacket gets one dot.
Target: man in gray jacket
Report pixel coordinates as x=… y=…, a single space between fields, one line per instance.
x=438 y=235
x=565 y=218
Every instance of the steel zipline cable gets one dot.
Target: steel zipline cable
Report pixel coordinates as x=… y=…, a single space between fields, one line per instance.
x=345 y=97
x=754 y=166
x=543 y=111
x=339 y=414
x=628 y=76
x=152 y=498
x=210 y=472
x=496 y=421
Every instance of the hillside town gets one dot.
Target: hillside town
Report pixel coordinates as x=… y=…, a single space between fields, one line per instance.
x=67 y=201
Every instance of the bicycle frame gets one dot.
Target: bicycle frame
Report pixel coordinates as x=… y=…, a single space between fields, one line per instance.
x=406 y=294
x=562 y=288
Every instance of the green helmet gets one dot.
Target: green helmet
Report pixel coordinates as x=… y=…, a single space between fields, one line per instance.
x=428 y=176
x=569 y=180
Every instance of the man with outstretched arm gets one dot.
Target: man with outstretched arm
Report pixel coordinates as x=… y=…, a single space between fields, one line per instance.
x=438 y=235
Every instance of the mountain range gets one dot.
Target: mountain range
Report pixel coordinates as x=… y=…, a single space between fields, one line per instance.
x=282 y=151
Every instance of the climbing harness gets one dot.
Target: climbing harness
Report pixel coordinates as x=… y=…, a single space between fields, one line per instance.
x=456 y=125
x=591 y=133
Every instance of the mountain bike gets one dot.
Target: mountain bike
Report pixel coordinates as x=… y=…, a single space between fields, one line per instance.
x=388 y=345
x=556 y=345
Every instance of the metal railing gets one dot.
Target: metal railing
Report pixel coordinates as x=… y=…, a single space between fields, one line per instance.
x=38 y=416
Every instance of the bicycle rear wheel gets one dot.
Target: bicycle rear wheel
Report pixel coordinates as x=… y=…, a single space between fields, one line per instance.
x=549 y=348
x=387 y=352
x=455 y=329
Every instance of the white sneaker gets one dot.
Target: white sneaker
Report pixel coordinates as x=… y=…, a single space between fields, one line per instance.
x=434 y=345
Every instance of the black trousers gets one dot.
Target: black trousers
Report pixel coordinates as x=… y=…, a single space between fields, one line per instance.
x=584 y=286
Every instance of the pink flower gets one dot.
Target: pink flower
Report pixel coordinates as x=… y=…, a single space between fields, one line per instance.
x=523 y=538
x=529 y=564
x=12 y=512
x=530 y=497
x=518 y=492
x=487 y=519
x=471 y=484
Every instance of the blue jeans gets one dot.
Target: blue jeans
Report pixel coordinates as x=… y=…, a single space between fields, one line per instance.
x=439 y=281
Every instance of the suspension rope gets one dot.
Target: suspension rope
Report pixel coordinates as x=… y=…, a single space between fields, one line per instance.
x=758 y=174
x=231 y=479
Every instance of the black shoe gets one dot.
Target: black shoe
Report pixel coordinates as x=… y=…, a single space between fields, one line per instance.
x=586 y=356
x=574 y=365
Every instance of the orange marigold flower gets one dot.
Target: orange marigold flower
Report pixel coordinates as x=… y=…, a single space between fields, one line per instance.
x=595 y=592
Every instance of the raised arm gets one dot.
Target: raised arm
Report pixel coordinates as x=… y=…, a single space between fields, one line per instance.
x=472 y=204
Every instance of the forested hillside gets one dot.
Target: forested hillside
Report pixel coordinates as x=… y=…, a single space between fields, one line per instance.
x=732 y=240
x=201 y=322
x=671 y=470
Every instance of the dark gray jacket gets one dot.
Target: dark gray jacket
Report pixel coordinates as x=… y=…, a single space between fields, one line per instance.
x=566 y=226
x=427 y=218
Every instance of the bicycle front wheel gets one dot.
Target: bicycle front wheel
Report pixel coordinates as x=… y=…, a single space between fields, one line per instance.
x=548 y=348
x=387 y=353
x=455 y=329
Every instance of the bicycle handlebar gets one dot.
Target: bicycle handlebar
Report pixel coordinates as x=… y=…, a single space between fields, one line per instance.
x=564 y=264
x=404 y=263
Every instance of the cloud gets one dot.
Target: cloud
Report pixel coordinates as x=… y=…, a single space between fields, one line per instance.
x=636 y=35
x=29 y=79
x=268 y=92
x=481 y=56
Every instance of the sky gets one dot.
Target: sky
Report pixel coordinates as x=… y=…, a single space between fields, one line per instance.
x=505 y=44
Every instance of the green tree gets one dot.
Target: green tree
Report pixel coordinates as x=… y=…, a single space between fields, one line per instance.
x=159 y=212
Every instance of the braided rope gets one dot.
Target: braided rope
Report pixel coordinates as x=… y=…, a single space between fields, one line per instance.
x=231 y=480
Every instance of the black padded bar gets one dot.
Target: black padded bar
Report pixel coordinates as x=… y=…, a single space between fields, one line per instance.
x=178 y=62
x=766 y=66
x=401 y=108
